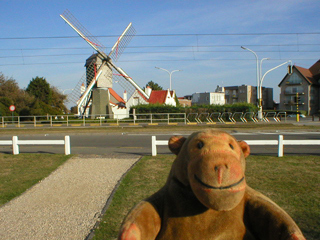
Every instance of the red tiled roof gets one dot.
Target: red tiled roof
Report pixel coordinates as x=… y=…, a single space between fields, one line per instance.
x=306 y=73
x=142 y=95
x=116 y=96
x=312 y=75
x=158 y=96
x=315 y=68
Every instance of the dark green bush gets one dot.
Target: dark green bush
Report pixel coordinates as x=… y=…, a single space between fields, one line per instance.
x=159 y=108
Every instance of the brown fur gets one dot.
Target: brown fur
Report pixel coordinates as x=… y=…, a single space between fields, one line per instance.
x=206 y=197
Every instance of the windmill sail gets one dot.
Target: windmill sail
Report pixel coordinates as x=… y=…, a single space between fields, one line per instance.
x=83 y=32
x=122 y=42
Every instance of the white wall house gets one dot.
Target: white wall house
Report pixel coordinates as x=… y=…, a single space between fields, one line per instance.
x=155 y=96
x=208 y=98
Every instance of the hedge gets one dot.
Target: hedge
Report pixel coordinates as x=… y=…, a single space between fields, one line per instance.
x=159 y=108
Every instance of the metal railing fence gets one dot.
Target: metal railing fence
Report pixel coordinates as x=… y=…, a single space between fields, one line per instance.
x=135 y=119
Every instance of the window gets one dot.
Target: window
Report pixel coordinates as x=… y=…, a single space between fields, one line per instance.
x=294 y=79
x=294 y=90
x=136 y=101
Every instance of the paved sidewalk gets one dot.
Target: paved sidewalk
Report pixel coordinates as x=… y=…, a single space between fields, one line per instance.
x=67 y=204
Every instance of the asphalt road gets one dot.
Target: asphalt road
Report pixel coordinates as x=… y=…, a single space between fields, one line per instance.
x=140 y=144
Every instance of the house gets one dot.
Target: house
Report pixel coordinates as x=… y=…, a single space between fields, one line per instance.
x=163 y=97
x=155 y=97
x=117 y=105
x=135 y=99
x=184 y=102
x=248 y=94
x=300 y=89
x=208 y=98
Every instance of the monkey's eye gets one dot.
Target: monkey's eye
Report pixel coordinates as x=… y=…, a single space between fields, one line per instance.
x=231 y=146
x=200 y=145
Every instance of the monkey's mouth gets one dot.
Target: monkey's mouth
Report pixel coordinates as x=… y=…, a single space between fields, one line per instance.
x=219 y=188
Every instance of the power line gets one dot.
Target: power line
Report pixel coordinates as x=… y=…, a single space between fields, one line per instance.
x=156 y=60
x=164 y=35
x=162 y=52
x=165 y=46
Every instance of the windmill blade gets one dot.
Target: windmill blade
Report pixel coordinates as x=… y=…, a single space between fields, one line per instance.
x=83 y=32
x=81 y=94
x=126 y=78
x=122 y=42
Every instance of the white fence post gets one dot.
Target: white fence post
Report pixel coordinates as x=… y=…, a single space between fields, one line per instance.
x=153 y=146
x=280 y=146
x=15 y=147
x=67 y=148
x=155 y=142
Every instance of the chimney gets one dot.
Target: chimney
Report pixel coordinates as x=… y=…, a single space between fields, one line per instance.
x=125 y=96
x=148 y=90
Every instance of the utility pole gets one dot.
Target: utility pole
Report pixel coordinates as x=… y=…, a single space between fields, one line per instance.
x=297 y=102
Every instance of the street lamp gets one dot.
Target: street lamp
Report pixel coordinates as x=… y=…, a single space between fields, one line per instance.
x=262 y=78
x=257 y=63
x=260 y=89
x=170 y=73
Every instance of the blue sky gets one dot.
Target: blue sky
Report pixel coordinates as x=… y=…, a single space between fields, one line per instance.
x=202 y=38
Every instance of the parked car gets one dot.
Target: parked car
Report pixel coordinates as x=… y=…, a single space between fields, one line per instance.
x=295 y=115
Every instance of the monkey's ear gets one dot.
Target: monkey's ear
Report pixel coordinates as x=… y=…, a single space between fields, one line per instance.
x=245 y=148
x=175 y=144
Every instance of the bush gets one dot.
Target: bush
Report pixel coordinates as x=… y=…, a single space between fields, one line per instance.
x=159 y=108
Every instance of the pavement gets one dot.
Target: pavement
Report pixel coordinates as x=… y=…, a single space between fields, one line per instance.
x=68 y=203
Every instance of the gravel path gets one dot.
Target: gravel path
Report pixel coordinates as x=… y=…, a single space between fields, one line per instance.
x=66 y=204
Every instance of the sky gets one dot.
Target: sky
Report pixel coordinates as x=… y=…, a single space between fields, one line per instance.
x=201 y=38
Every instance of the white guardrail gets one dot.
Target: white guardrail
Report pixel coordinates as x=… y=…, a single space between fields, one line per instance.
x=280 y=142
x=15 y=142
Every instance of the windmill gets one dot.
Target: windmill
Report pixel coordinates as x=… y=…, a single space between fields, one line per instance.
x=101 y=72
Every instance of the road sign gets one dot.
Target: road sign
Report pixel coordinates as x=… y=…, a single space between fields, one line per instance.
x=12 y=108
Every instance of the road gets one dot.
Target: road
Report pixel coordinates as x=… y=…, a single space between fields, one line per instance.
x=140 y=143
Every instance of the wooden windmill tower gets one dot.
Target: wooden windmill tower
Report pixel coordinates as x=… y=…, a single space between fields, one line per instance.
x=101 y=71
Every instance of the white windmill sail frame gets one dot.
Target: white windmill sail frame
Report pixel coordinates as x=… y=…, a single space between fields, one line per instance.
x=87 y=92
x=129 y=79
x=91 y=43
x=119 y=39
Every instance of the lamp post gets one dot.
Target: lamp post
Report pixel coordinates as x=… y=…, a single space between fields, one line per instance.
x=257 y=66
x=262 y=78
x=260 y=89
x=170 y=73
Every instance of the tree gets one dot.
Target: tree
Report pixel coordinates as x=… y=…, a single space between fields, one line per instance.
x=4 y=106
x=48 y=99
x=40 y=89
x=38 y=99
x=10 y=93
x=58 y=100
x=154 y=86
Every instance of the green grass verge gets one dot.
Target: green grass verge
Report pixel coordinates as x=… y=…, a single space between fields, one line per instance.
x=291 y=181
x=20 y=172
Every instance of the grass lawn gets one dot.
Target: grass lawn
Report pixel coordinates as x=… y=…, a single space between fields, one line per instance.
x=20 y=172
x=291 y=181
